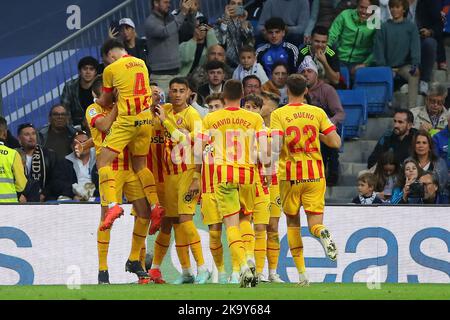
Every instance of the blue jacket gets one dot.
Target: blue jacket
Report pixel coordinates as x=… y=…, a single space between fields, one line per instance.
x=441 y=144
x=268 y=54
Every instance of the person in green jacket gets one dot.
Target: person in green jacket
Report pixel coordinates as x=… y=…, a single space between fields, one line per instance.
x=12 y=174
x=193 y=52
x=353 y=35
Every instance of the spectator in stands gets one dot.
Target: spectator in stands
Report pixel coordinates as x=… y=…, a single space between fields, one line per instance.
x=10 y=140
x=324 y=96
x=82 y=171
x=432 y=191
x=57 y=135
x=216 y=79
x=277 y=50
x=366 y=187
x=294 y=12
x=270 y=103
x=186 y=31
x=46 y=176
x=249 y=66
x=252 y=103
x=344 y=5
x=251 y=84
x=427 y=16
x=386 y=172
x=254 y=9
x=134 y=45
x=199 y=76
x=76 y=95
x=277 y=84
x=12 y=175
x=410 y=172
x=441 y=142
x=161 y=30
x=423 y=151
x=353 y=36
x=398 y=140
x=433 y=116
x=193 y=52
x=214 y=102
x=325 y=58
x=397 y=45
x=323 y=13
x=234 y=31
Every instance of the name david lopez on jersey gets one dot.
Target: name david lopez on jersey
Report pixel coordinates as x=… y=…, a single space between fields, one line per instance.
x=237 y=121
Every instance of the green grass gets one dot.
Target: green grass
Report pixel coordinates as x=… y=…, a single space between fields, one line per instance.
x=321 y=291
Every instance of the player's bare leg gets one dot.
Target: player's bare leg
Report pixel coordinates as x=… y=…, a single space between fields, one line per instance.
x=273 y=249
x=140 y=232
x=162 y=243
x=149 y=185
x=317 y=229
x=216 y=248
x=193 y=237
x=107 y=186
x=103 y=238
x=296 y=247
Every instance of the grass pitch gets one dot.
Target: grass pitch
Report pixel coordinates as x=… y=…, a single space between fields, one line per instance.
x=265 y=291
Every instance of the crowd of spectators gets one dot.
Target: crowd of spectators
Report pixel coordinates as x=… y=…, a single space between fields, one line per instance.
x=261 y=44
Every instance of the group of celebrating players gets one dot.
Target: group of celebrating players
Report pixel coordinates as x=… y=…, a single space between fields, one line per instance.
x=163 y=158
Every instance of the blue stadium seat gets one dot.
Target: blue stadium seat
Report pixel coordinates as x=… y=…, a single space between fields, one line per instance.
x=379 y=85
x=345 y=74
x=354 y=103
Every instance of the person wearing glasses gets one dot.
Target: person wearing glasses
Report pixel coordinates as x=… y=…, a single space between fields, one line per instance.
x=58 y=133
x=433 y=116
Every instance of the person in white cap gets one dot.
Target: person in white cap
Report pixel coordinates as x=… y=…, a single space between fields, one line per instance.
x=134 y=45
x=324 y=96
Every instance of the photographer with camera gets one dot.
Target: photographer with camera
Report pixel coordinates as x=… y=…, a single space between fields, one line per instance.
x=233 y=30
x=425 y=190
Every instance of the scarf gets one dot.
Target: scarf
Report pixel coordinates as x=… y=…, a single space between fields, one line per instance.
x=38 y=170
x=368 y=200
x=242 y=73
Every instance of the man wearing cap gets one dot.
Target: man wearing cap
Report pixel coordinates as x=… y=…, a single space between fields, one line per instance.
x=76 y=95
x=45 y=172
x=324 y=96
x=134 y=45
x=12 y=177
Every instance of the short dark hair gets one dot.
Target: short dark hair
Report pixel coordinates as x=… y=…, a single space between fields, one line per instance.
x=110 y=44
x=214 y=64
x=409 y=114
x=24 y=126
x=403 y=3
x=372 y=2
x=280 y=63
x=256 y=99
x=323 y=31
x=434 y=177
x=214 y=96
x=97 y=86
x=88 y=61
x=3 y=124
x=56 y=106
x=180 y=80
x=251 y=76
x=232 y=90
x=368 y=178
x=275 y=23
x=271 y=96
x=247 y=48
x=296 y=84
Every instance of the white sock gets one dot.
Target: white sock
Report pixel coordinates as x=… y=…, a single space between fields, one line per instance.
x=201 y=268
x=155 y=266
x=272 y=271
x=112 y=204
x=187 y=272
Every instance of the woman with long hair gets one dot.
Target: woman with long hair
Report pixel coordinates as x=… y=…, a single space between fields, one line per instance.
x=410 y=172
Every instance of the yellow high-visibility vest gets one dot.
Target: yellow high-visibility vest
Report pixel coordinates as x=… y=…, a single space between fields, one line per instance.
x=7 y=181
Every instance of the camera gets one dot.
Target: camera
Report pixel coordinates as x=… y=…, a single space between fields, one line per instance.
x=416 y=190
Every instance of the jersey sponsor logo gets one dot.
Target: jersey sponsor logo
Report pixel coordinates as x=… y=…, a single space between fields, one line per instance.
x=188 y=197
x=179 y=121
x=278 y=201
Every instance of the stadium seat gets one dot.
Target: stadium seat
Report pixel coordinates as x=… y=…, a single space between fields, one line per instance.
x=345 y=75
x=378 y=83
x=354 y=103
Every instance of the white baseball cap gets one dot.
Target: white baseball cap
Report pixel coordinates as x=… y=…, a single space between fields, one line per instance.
x=127 y=21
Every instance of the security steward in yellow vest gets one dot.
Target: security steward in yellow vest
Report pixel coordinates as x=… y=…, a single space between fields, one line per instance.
x=12 y=175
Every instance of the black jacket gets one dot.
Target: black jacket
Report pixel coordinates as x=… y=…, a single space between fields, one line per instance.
x=52 y=184
x=428 y=15
x=390 y=141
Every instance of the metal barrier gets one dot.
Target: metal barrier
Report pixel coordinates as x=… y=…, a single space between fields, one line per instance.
x=28 y=92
